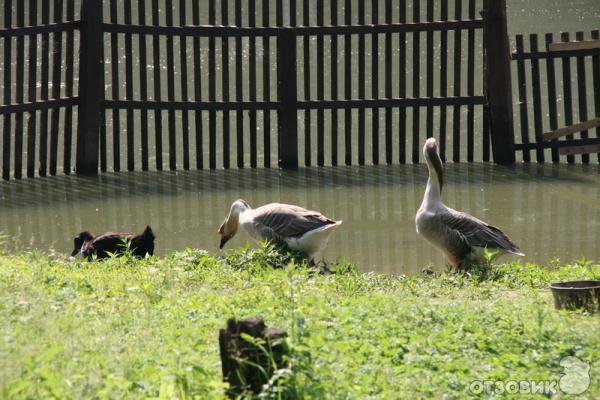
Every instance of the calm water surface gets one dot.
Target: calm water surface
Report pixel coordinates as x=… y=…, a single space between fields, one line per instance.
x=550 y=211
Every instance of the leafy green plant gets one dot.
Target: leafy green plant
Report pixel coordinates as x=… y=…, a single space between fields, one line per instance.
x=147 y=328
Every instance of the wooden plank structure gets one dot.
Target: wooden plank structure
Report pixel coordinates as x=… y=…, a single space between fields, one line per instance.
x=191 y=82
x=563 y=135
x=250 y=353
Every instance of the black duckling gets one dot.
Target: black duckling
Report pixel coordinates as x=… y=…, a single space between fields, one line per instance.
x=114 y=242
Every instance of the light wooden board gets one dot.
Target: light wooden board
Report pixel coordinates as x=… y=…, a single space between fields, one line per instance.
x=569 y=130
x=579 y=45
x=585 y=149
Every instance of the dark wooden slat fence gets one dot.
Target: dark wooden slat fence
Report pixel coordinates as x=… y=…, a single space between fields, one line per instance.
x=207 y=66
x=540 y=111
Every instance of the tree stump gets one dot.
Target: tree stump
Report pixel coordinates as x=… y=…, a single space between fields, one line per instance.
x=246 y=366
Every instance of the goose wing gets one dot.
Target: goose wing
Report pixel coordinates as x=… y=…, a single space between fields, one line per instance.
x=476 y=232
x=279 y=221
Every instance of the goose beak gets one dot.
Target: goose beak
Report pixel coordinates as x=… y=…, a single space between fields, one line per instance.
x=74 y=253
x=223 y=241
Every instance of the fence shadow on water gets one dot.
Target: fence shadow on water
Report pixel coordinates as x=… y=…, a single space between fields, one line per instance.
x=549 y=211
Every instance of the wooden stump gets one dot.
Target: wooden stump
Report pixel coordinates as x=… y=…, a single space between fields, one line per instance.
x=246 y=366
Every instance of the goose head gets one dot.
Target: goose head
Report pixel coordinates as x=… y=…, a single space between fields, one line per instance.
x=434 y=162
x=79 y=240
x=231 y=224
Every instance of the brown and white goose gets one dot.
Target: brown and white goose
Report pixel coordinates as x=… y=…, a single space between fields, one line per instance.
x=299 y=229
x=459 y=235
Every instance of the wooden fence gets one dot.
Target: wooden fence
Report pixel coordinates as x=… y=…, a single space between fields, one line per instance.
x=195 y=84
x=558 y=116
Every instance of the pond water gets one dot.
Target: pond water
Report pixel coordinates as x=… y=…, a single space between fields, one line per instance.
x=549 y=211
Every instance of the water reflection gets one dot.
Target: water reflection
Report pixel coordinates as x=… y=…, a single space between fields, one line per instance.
x=549 y=211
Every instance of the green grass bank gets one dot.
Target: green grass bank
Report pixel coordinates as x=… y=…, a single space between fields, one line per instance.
x=125 y=328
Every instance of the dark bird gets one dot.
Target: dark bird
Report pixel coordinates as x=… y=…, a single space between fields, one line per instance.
x=114 y=243
x=459 y=235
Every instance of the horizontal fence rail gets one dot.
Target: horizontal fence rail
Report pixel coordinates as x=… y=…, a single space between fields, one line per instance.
x=556 y=93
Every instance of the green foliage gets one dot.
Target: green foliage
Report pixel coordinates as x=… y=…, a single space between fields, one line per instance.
x=148 y=328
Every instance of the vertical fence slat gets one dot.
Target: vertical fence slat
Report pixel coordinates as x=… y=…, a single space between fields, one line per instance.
x=69 y=69
x=361 y=85
x=91 y=88
x=6 y=136
x=388 y=84
x=185 y=119
x=20 y=83
x=457 y=83
x=143 y=85
x=582 y=95
x=56 y=78
x=320 y=88
x=31 y=97
x=252 y=84
x=239 y=87
x=567 y=93
x=402 y=85
x=552 y=108
x=129 y=88
x=157 y=88
x=225 y=90
x=266 y=86
x=348 y=84
x=287 y=88
x=537 y=101
x=486 y=132
x=522 y=85
x=443 y=78
x=334 y=84
x=44 y=91
x=171 y=88
x=471 y=85
x=198 y=88
x=115 y=82
x=596 y=77
x=375 y=83
x=212 y=114
x=306 y=57
x=429 y=58
x=293 y=12
x=416 y=81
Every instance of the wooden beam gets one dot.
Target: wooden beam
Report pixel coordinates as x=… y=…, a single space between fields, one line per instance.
x=288 y=98
x=585 y=149
x=91 y=92
x=498 y=83
x=581 y=45
x=569 y=130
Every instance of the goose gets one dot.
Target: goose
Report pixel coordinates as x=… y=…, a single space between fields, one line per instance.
x=299 y=229
x=113 y=242
x=459 y=235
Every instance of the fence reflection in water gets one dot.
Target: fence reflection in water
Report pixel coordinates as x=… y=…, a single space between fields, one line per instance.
x=549 y=211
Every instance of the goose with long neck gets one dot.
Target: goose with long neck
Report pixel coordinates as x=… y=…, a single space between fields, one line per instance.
x=299 y=229
x=459 y=235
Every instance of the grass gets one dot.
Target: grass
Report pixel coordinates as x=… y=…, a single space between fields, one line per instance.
x=125 y=328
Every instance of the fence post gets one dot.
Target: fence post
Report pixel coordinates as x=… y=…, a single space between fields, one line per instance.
x=288 y=101
x=91 y=92
x=498 y=81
